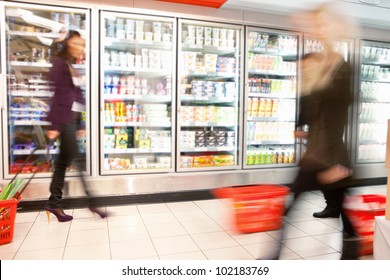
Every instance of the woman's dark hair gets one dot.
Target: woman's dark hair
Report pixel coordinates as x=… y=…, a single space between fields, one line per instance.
x=61 y=48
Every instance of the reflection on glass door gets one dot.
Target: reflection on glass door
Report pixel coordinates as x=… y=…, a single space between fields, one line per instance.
x=31 y=34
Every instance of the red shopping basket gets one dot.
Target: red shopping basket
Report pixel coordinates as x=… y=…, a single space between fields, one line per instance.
x=256 y=207
x=7 y=219
x=362 y=210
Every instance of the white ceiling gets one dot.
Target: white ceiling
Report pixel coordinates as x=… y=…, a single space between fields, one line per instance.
x=374 y=15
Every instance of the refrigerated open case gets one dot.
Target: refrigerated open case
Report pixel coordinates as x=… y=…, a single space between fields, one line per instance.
x=270 y=98
x=373 y=109
x=137 y=93
x=29 y=35
x=209 y=96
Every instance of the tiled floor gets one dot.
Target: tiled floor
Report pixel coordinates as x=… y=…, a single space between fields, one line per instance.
x=197 y=230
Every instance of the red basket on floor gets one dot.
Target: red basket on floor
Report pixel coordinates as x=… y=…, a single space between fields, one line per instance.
x=362 y=210
x=7 y=220
x=258 y=207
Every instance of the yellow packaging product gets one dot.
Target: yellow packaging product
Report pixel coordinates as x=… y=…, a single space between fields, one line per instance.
x=121 y=141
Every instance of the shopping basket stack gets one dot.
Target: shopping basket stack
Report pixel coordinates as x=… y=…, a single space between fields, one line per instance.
x=257 y=208
x=362 y=210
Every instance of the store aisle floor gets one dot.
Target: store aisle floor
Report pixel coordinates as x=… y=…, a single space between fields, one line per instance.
x=197 y=230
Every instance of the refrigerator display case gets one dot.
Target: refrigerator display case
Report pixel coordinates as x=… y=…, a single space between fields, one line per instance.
x=271 y=92
x=373 y=102
x=137 y=93
x=209 y=87
x=30 y=32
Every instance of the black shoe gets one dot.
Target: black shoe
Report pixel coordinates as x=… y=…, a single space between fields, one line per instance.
x=328 y=212
x=350 y=247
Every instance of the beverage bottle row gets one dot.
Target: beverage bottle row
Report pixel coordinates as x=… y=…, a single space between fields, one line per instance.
x=376 y=53
x=372 y=152
x=271 y=131
x=373 y=132
x=375 y=111
x=270 y=155
x=375 y=90
x=375 y=72
x=266 y=107
x=259 y=85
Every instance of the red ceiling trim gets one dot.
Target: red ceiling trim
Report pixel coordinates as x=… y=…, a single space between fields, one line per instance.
x=205 y=3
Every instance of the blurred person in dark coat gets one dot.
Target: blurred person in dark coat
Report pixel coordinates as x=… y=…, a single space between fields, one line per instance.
x=65 y=114
x=324 y=103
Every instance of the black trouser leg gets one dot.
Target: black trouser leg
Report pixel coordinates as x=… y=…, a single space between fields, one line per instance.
x=334 y=198
x=68 y=151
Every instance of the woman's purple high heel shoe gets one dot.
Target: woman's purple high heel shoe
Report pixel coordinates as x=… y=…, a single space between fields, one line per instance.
x=59 y=213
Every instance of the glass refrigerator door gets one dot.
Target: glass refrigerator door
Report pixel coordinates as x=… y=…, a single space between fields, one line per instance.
x=374 y=102
x=137 y=90
x=209 y=96
x=271 y=92
x=29 y=37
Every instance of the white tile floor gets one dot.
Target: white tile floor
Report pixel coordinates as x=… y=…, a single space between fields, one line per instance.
x=192 y=230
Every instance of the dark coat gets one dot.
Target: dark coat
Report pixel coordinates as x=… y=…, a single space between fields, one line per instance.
x=65 y=93
x=326 y=113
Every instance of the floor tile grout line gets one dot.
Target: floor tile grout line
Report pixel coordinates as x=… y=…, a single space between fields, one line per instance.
x=200 y=249
x=24 y=239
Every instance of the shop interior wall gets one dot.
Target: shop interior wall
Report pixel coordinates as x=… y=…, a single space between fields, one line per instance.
x=172 y=182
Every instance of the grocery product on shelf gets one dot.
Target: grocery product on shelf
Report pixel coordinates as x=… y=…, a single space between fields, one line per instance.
x=209 y=78
x=30 y=39
x=137 y=70
x=271 y=91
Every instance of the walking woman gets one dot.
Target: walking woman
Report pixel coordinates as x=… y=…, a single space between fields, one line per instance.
x=65 y=114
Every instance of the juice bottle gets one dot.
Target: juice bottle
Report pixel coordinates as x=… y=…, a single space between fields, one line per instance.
x=262 y=108
x=275 y=104
x=257 y=157
x=255 y=107
x=250 y=103
x=268 y=107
